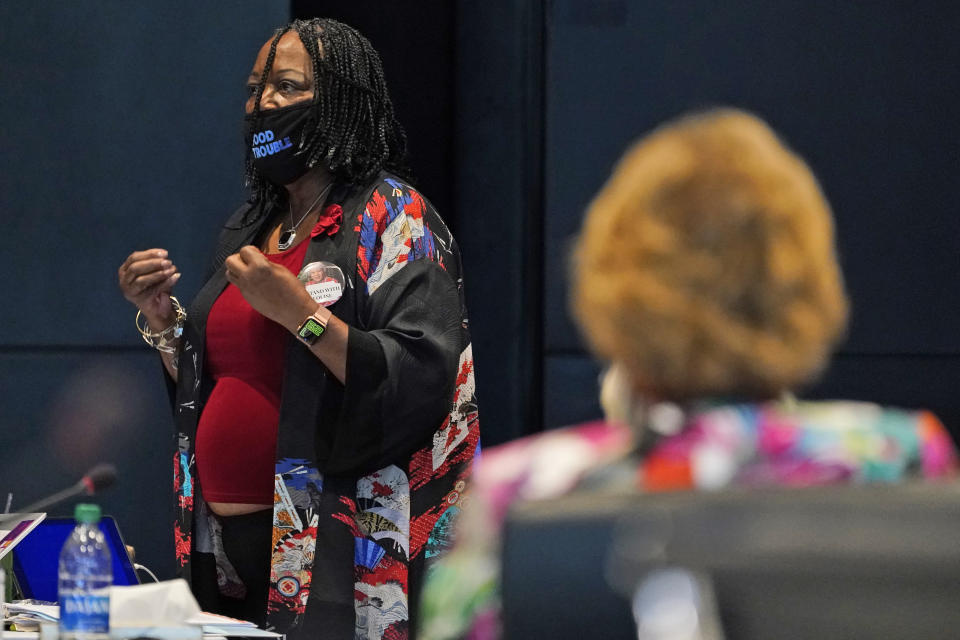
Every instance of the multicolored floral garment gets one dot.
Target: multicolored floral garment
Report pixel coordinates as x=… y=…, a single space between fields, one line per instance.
x=369 y=474
x=790 y=444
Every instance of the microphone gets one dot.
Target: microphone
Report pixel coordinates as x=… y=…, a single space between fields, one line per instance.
x=97 y=479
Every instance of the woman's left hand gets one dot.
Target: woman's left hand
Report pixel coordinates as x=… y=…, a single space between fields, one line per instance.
x=269 y=288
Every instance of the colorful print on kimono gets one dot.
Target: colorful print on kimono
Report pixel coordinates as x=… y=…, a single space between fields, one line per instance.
x=397 y=221
x=182 y=477
x=382 y=611
x=441 y=536
x=461 y=427
x=463 y=415
x=183 y=489
x=297 y=489
x=457 y=440
x=383 y=503
x=380 y=523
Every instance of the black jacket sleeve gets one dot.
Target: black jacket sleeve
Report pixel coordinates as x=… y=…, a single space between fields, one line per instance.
x=401 y=369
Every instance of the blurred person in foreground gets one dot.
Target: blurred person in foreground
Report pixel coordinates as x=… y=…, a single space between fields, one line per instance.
x=706 y=275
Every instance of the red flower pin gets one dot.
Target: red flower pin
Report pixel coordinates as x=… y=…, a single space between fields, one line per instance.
x=329 y=222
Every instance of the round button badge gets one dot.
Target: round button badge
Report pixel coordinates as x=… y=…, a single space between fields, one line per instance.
x=324 y=282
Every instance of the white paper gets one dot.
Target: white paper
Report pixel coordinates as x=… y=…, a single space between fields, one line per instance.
x=167 y=603
x=155 y=605
x=49 y=612
x=216 y=631
x=216 y=620
x=17 y=529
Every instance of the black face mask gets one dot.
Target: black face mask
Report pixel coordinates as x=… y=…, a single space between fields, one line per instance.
x=274 y=137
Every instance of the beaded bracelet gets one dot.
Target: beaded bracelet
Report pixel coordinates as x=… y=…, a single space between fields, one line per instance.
x=164 y=340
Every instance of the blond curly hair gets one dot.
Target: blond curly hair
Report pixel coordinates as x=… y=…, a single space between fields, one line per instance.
x=706 y=265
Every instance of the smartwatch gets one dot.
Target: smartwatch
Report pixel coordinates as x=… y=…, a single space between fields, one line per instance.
x=312 y=328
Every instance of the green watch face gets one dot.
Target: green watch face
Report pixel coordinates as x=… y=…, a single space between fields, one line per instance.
x=310 y=330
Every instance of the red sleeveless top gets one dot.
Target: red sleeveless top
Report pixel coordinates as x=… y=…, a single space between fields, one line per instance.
x=237 y=433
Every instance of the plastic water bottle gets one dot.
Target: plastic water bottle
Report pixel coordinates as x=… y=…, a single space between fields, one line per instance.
x=86 y=572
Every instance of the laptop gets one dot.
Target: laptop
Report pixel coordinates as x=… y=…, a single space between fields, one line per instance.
x=36 y=557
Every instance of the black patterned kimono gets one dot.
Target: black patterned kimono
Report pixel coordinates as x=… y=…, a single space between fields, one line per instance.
x=369 y=474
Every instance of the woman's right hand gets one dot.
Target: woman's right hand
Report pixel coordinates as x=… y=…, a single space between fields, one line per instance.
x=146 y=279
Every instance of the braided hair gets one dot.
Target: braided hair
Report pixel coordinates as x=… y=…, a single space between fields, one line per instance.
x=352 y=131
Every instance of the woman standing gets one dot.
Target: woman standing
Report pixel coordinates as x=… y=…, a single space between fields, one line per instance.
x=325 y=424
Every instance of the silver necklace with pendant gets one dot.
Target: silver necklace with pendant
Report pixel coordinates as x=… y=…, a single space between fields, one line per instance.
x=289 y=235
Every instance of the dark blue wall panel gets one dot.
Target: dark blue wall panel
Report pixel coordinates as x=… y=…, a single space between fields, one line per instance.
x=122 y=127
x=864 y=91
x=122 y=130
x=499 y=204
x=64 y=412
x=571 y=388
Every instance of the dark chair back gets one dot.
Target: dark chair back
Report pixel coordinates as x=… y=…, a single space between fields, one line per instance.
x=873 y=561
